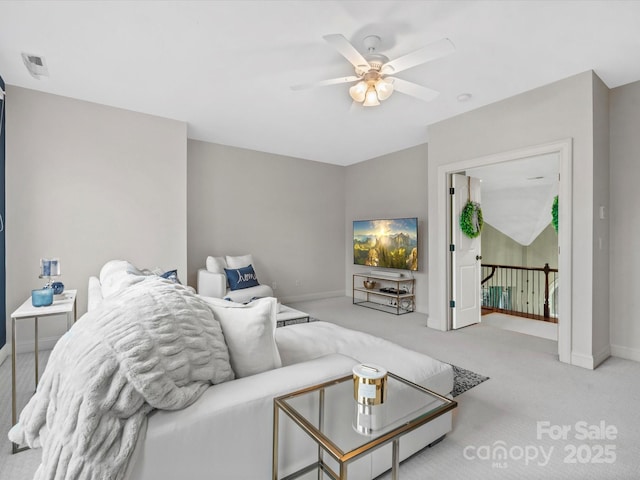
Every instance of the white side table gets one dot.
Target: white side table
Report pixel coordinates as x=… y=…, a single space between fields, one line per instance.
x=64 y=304
x=289 y=316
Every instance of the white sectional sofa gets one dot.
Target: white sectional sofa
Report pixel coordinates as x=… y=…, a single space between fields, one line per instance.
x=212 y=280
x=227 y=433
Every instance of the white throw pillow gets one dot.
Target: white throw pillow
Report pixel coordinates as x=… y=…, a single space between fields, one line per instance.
x=216 y=264
x=239 y=261
x=249 y=331
x=110 y=268
x=118 y=274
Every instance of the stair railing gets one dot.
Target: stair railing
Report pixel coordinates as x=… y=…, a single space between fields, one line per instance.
x=525 y=291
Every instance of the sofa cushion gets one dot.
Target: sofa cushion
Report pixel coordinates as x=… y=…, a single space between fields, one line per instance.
x=239 y=278
x=216 y=264
x=249 y=331
x=304 y=341
x=247 y=294
x=239 y=261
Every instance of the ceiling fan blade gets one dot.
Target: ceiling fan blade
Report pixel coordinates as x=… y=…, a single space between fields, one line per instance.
x=413 y=89
x=347 y=50
x=430 y=52
x=324 y=83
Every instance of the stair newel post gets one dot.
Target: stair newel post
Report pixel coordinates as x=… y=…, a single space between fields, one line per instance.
x=546 y=290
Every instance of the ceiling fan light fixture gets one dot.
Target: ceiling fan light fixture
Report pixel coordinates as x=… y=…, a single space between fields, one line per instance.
x=384 y=88
x=371 y=98
x=370 y=87
x=358 y=91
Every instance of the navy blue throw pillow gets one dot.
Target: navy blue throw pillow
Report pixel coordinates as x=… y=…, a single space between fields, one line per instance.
x=240 y=278
x=171 y=275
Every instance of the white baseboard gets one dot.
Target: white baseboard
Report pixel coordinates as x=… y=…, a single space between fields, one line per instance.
x=582 y=360
x=4 y=353
x=436 y=325
x=590 y=361
x=601 y=356
x=627 y=353
x=311 y=296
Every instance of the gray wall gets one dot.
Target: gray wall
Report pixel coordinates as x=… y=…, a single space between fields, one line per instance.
x=500 y=249
x=89 y=183
x=543 y=249
x=391 y=186
x=601 y=229
x=120 y=185
x=625 y=220
x=563 y=109
x=288 y=213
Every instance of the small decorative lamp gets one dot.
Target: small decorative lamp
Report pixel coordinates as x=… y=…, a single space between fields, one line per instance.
x=51 y=268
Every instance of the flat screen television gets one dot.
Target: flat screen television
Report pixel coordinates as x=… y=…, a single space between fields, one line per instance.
x=386 y=243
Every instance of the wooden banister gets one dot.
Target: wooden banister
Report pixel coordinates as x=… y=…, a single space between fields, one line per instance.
x=488 y=277
x=518 y=289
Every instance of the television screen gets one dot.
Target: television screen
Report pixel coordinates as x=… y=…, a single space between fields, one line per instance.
x=391 y=243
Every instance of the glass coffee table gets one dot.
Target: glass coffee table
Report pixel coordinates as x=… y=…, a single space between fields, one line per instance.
x=346 y=431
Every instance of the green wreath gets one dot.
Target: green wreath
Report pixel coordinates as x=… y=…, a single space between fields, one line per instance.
x=471 y=221
x=554 y=214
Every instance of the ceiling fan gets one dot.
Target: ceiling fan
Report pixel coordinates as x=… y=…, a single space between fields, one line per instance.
x=373 y=70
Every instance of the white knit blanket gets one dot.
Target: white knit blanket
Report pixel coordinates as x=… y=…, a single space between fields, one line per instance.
x=152 y=345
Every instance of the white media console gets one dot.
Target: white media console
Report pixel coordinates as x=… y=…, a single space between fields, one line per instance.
x=391 y=294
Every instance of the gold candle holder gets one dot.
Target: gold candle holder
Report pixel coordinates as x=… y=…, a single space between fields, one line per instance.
x=369 y=384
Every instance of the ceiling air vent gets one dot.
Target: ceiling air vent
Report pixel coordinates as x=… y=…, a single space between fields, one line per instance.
x=36 y=65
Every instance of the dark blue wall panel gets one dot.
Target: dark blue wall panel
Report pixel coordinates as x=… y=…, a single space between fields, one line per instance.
x=3 y=283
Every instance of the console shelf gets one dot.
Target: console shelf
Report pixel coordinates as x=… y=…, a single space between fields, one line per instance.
x=391 y=295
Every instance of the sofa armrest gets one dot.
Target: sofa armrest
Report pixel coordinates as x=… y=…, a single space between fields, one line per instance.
x=211 y=284
x=229 y=420
x=94 y=294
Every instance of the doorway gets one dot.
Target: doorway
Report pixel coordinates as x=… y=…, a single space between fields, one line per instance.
x=520 y=245
x=440 y=225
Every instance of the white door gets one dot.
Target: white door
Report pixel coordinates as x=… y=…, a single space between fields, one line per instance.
x=465 y=292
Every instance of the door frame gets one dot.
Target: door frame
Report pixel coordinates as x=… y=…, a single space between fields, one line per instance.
x=440 y=224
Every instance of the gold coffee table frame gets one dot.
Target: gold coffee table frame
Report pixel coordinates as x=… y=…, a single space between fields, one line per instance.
x=325 y=444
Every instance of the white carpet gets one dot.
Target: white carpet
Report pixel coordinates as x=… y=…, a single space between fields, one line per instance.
x=527 y=385
x=528 y=326
x=22 y=465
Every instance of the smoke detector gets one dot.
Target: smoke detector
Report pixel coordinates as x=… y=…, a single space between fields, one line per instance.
x=36 y=65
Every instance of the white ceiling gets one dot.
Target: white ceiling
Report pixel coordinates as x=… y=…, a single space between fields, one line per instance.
x=517 y=196
x=225 y=67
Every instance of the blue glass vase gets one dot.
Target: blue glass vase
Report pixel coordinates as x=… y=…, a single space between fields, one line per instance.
x=42 y=297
